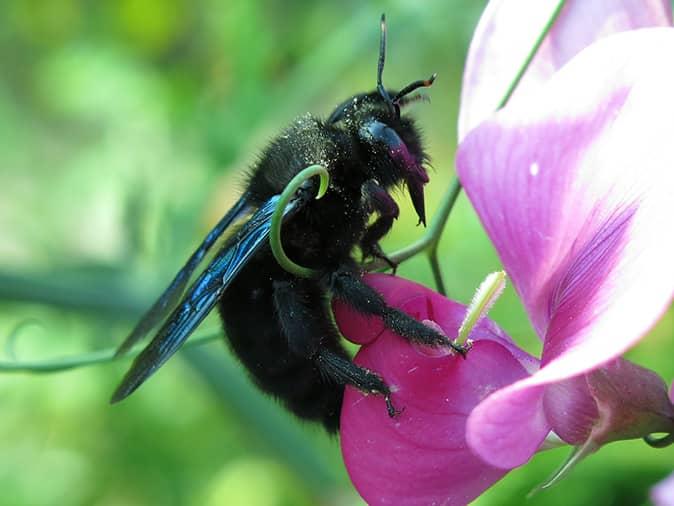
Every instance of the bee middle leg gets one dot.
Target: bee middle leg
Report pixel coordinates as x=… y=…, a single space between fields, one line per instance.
x=350 y=288
x=306 y=323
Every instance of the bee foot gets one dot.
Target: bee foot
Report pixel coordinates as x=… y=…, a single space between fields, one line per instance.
x=392 y=411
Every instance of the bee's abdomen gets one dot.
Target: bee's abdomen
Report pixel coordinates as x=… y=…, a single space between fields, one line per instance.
x=255 y=336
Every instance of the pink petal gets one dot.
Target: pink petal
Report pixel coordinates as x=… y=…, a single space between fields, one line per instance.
x=574 y=187
x=508 y=427
x=421 y=456
x=508 y=29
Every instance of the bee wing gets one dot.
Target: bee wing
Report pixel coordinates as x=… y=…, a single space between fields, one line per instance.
x=168 y=300
x=202 y=296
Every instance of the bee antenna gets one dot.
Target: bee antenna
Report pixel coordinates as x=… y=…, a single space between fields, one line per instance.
x=382 y=59
x=421 y=83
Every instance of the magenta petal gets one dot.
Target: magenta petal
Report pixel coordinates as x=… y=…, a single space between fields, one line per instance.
x=508 y=28
x=620 y=400
x=574 y=189
x=509 y=427
x=415 y=299
x=421 y=456
x=354 y=326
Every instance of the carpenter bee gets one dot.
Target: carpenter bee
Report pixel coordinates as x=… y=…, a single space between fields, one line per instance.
x=278 y=324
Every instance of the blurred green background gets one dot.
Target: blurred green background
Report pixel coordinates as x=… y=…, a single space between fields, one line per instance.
x=124 y=129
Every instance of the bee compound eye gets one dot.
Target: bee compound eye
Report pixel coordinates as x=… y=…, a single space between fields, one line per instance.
x=376 y=131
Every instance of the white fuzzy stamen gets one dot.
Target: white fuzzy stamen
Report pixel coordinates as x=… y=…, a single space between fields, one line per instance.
x=483 y=300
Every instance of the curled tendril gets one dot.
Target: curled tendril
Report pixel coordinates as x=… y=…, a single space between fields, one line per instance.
x=276 y=219
x=659 y=442
x=10 y=342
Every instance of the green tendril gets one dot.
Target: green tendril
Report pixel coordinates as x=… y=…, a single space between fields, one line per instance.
x=10 y=342
x=277 y=218
x=106 y=355
x=659 y=442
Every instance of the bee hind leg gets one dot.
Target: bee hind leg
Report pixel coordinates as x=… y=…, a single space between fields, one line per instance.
x=343 y=371
x=307 y=325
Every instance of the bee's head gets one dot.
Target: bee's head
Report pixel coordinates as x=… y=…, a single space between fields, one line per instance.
x=374 y=119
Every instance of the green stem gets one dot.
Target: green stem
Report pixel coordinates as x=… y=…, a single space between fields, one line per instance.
x=84 y=359
x=277 y=218
x=437 y=274
x=430 y=240
x=435 y=231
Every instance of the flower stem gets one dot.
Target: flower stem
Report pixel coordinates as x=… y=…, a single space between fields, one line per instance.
x=430 y=240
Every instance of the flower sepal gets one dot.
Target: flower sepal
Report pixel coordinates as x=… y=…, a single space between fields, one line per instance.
x=620 y=400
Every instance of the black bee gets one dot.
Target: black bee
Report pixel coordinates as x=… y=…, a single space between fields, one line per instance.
x=279 y=325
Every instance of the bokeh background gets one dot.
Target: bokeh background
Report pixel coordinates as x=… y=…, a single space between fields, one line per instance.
x=124 y=130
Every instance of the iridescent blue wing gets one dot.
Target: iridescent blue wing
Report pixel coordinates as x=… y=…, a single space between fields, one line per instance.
x=202 y=296
x=168 y=300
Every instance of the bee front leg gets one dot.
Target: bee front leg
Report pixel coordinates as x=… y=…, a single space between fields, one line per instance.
x=378 y=200
x=348 y=287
